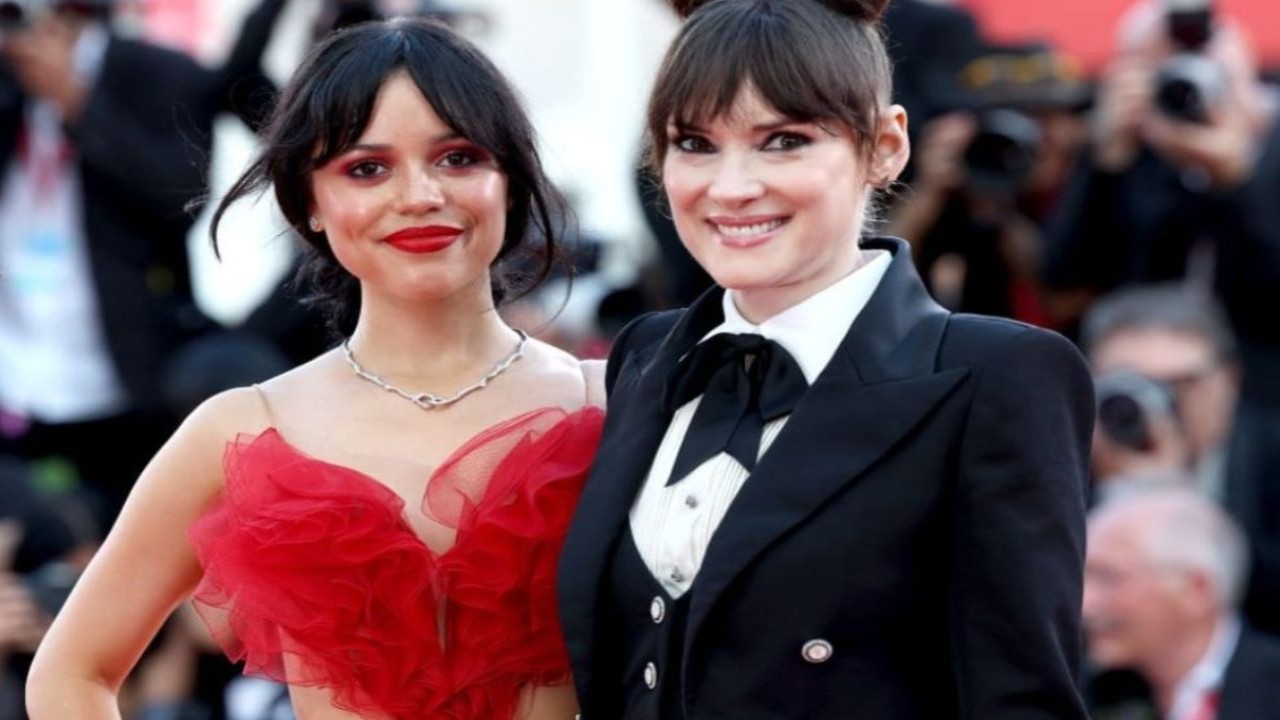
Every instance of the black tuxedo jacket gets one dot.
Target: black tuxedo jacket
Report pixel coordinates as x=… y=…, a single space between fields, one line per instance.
x=922 y=511
x=1250 y=686
x=142 y=145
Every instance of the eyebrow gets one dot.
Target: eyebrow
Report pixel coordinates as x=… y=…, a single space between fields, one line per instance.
x=383 y=147
x=761 y=128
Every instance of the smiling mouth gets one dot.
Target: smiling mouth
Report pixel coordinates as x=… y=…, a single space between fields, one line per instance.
x=430 y=239
x=738 y=232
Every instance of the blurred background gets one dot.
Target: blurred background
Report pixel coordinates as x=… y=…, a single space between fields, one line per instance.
x=1108 y=169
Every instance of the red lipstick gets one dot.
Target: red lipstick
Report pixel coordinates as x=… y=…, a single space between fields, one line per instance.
x=419 y=240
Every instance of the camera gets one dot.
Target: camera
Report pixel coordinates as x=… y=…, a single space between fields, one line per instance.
x=1003 y=150
x=1188 y=84
x=1006 y=88
x=20 y=14
x=1127 y=404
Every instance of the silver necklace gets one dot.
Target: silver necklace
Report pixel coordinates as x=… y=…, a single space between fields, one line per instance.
x=431 y=401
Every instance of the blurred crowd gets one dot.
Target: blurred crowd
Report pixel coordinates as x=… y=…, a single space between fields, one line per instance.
x=1136 y=211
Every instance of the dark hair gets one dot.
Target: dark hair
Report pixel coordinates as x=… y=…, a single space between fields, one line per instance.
x=809 y=59
x=327 y=106
x=1161 y=306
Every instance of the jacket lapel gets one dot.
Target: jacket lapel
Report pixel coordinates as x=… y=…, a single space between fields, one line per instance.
x=635 y=424
x=1250 y=681
x=878 y=386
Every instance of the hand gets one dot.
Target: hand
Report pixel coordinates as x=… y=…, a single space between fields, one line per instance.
x=1124 y=101
x=1224 y=147
x=42 y=59
x=22 y=622
x=940 y=163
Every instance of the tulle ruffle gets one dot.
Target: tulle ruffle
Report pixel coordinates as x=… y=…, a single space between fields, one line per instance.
x=313 y=575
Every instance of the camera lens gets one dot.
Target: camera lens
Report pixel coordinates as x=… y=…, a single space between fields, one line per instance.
x=1002 y=151
x=1127 y=403
x=1122 y=419
x=1187 y=87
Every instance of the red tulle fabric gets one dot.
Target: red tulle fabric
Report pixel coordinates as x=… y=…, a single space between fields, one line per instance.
x=313 y=575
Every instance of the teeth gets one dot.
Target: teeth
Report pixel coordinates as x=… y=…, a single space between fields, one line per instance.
x=745 y=230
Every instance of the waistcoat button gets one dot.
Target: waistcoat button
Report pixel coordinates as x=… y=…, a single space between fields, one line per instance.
x=817 y=651
x=658 y=610
x=650 y=675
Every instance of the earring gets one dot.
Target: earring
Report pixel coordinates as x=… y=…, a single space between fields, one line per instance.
x=315 y=224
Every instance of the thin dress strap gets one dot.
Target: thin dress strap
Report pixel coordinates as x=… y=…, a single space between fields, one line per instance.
x=589 y=396
x=266 y=406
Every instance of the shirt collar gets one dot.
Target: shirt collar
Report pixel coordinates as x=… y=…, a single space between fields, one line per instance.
x=813 y=329
x=90 y=51
x=1207 y=674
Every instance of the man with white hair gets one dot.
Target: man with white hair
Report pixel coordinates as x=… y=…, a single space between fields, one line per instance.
x=1163 y=577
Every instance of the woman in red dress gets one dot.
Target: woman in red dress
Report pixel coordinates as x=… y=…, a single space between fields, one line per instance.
x=387 y=551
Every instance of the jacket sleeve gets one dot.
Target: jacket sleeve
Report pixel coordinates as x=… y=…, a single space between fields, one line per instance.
x=1018 y=545
x=240 y=85
x=154 y=157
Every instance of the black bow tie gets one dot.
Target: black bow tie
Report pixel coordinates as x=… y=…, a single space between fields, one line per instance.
x=745 y=381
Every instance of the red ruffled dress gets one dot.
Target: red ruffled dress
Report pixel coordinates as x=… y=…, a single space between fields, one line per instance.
x=313 y=575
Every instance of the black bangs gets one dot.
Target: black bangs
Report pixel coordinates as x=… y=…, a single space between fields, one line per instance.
x=444 y=71
x=805 y=61
x=327 y=107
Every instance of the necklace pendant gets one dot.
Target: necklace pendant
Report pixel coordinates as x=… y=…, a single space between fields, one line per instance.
x=427 y=400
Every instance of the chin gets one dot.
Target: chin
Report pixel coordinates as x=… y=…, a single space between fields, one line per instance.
x=740 y=276
x=1109 y=656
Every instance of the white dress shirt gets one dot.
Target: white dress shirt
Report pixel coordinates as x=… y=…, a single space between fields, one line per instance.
x=54 y=362
x=672 y=526
x=1207 y=674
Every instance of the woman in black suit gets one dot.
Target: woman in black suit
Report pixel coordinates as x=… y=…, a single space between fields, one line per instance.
x=820 y=495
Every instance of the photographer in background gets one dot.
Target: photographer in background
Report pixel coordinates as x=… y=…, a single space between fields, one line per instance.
x=103 y=144
x=1162 y=583
x=1181 y=177
x=986 y=178
x=1181 y=182
x=1164 y=365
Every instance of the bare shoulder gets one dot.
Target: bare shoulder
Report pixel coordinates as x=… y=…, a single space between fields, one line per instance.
x=302 y=393
x=244 y=410
x=224 y=415
x=577 y=382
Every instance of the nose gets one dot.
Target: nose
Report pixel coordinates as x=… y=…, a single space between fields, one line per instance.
x=421 y=192
x=735 y=181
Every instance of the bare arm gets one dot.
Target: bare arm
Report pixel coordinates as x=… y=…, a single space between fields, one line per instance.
x=144 y=570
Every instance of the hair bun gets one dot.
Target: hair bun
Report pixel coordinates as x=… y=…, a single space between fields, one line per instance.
x=685 y=8
x=868 y=11
x=862 y=10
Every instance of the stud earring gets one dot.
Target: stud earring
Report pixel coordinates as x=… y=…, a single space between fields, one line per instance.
x=315 y=224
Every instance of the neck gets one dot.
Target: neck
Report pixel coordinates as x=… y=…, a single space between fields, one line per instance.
x=1176 y=662
x=759 y=304
x=436 y=344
